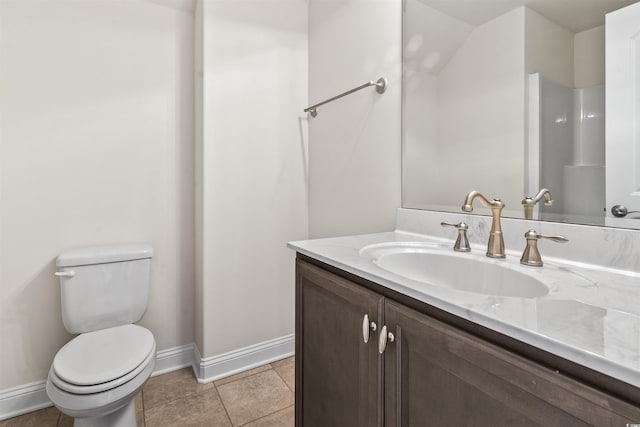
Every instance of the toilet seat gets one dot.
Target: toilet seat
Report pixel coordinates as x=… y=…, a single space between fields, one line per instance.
x=97 y=361
x=97 y=404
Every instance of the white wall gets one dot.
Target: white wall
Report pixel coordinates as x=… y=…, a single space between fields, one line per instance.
x=420 y=153
x=430 y=39
x=589 y=61
x=549 y=49
x=481 y=105
x=198 y=169
x=96 y=147
x=354 y=170
x=252 y=173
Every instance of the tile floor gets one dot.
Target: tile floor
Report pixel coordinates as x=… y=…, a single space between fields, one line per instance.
x=260 y=397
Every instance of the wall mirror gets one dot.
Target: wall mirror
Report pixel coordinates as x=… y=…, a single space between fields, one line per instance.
x=508 y=97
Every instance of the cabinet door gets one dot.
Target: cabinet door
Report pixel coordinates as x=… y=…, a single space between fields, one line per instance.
x=437 y=375
x=338 y=375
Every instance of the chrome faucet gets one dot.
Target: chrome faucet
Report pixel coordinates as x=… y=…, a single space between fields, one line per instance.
x=495 y=247
x=529 y=202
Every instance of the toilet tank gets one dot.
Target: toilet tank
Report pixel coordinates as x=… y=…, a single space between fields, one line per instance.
x=103 y=286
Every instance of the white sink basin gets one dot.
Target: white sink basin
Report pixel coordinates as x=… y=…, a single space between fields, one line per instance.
x=430 y=264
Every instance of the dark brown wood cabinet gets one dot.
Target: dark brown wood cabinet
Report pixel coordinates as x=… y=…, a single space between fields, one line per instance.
x=431 y=374
x=339 y=374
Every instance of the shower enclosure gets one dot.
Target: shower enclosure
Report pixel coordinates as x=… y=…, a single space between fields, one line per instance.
x=566 y=149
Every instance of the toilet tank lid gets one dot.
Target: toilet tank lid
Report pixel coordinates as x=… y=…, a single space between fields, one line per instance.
x=104 y=254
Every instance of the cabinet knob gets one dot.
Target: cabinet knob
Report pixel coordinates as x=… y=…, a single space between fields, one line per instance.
x=382 y=339
x=366 y=326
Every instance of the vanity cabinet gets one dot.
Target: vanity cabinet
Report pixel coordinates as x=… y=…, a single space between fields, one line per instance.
x=339 y=374
x=430 y=374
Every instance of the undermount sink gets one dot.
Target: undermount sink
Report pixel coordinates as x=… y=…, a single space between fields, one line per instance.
x=435 y=265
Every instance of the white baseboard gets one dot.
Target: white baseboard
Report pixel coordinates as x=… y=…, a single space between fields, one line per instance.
x=213 y=368
x=172 y=359
x=22 y=399
x=31 y=397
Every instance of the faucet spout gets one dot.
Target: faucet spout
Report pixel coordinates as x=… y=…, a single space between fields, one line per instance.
x=467 y=206
x=528 y=203
x=495 y=246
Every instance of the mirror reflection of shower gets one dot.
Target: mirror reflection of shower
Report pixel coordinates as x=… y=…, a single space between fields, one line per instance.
x=566 y=147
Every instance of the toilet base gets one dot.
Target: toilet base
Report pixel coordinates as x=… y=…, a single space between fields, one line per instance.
x=123 y=417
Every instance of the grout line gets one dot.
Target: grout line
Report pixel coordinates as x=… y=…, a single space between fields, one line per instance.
x=144 y=415
x=265 y=416
x=231 y=382
x=223 y=405
x=61 y=416
x=294 y=379
x=182 y=397
x=241 y=378
x=215 y=389
x=175 y=398
x=282 y=378
x=245 y=377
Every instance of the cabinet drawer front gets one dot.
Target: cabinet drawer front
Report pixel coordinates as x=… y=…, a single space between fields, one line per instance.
x=437 y=375
x=338 y=375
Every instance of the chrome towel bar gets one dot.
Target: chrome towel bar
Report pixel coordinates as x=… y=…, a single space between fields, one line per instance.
x=380 y=84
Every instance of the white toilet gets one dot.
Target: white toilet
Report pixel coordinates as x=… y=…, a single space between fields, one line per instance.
x=95 y=376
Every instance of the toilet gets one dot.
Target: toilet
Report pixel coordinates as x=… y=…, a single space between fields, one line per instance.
x=95 y=376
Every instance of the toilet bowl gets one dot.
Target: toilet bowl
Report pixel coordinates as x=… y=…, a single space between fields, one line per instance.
x=99 y=373
x=95 y=376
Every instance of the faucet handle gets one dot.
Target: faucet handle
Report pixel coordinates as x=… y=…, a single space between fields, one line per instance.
x=462 y=242
x=531 y=255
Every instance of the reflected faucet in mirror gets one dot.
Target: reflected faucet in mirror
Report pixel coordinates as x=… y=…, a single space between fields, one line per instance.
x=495 y=246
x=528 y=203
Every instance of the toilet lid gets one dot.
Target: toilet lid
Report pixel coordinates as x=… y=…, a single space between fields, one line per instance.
x=102 y=356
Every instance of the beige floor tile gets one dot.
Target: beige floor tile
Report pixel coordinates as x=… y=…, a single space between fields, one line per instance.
x=47 y=417
x=174 y=385
x=254 y=397
x=284 y=418
x=287 y=361
x=287 y=370
x=201 y=409
x=244 y=374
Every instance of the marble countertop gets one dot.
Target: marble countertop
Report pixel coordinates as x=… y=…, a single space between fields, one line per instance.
x=590 y=316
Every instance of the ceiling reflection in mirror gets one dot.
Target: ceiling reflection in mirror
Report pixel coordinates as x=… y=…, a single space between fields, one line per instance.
x=507 y=97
